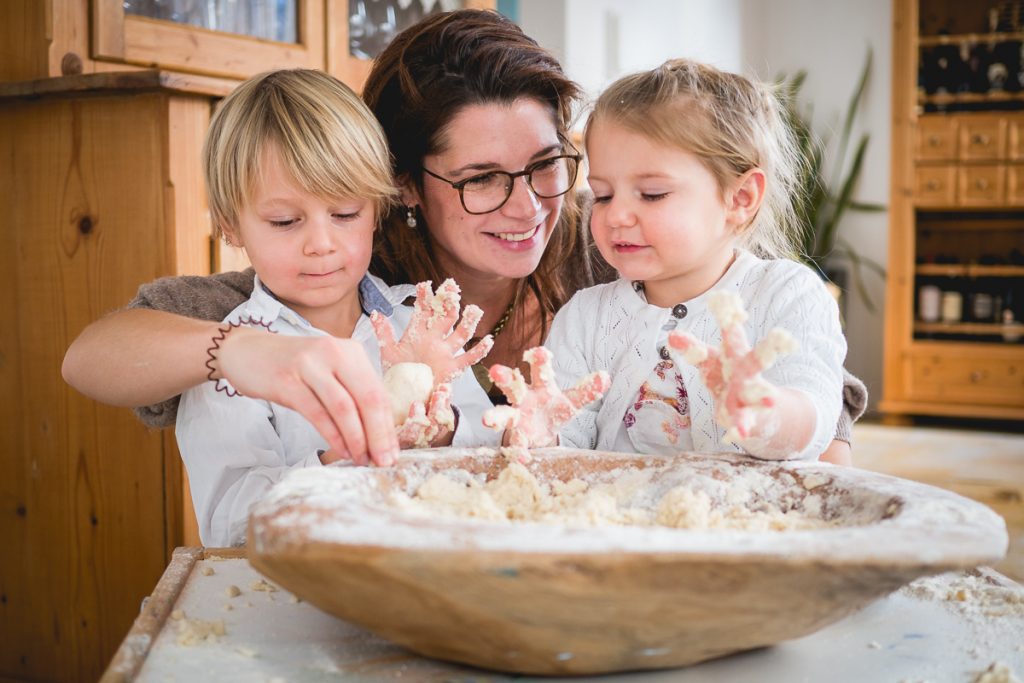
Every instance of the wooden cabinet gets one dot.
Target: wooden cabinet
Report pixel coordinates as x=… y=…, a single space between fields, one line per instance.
x=102 y=118
x=955 y=292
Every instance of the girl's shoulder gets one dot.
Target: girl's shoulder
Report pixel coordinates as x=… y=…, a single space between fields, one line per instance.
x=774 y=277
x=615 y=292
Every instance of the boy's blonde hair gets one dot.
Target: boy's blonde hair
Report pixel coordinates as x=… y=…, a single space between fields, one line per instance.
x=328 y=140
x=731 y=123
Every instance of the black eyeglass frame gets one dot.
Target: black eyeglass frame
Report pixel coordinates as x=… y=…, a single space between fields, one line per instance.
x=528 y=171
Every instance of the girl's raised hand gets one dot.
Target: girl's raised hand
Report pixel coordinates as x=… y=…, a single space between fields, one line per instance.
x=434 y=339
x=537 y=410
x=743 y=397
x=430 y=338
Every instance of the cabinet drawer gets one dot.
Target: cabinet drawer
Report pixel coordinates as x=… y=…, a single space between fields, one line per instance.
x=936 y=138
x=953 y=379
x=1015 y=185
x=935 y=186
x=1015 y=139
x=982 y=137
x=983 y=185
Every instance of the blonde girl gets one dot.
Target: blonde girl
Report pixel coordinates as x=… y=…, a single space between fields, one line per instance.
x=693 y=172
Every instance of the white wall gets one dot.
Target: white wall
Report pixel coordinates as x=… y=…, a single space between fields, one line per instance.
x=599 y=40
x=783 y=36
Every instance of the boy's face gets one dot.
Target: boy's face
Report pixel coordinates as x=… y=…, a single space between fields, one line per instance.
x=309 y=252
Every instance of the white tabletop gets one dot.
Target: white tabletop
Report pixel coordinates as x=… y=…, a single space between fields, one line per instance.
x=916 y=634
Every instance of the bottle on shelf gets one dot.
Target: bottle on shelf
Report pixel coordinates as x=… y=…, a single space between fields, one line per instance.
x=929 y=297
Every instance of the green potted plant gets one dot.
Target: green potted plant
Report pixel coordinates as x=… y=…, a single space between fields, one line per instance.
x=827 y=194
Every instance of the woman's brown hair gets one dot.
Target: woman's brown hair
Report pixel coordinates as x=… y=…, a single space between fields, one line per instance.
x=422 y=80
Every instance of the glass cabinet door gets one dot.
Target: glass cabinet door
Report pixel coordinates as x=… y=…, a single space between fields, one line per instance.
x=265 y=19
x=224 y=38
x=367 y=26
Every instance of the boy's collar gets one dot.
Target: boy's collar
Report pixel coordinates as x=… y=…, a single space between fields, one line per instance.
x=374 y=295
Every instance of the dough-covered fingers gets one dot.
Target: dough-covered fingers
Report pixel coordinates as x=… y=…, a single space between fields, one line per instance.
x=386 y=338
x=466 y=328
x=588 y=389
x=542 y=375
x=510 y=381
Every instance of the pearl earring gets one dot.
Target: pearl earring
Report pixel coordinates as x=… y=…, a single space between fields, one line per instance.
x=410 y=216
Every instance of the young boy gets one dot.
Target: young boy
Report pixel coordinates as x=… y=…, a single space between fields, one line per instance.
x=297 y=173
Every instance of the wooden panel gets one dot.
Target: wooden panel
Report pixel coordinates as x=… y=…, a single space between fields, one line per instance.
x=23 y=53
x=982 y=185
x=982 y=137
x=83 y=498
x=967 y=378
x=935 y=186
x=899 y=288
x=936 y=138
x=1015 y=185
x=1015 y=138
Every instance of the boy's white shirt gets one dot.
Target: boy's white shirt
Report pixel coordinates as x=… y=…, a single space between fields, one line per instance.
x=611 y=327
x=236 y=447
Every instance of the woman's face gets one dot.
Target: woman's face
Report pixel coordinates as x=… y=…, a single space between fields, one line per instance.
x=508 y=242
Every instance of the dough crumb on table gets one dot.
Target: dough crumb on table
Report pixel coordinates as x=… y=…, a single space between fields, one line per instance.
x=997 y=672
x=196 y=631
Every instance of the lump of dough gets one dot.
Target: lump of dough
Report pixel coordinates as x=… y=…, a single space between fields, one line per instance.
x=407 y=383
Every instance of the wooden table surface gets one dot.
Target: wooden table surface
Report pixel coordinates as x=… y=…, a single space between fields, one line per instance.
x=268 y=635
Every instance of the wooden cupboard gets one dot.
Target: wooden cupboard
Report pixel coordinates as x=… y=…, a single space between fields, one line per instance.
x=953 y=333
x=102 y=117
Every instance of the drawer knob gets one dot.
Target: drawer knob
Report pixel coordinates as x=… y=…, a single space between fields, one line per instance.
x=932 y=185
x=981 y=184
x=934 y=140
x=977 y=376
x=980 y=139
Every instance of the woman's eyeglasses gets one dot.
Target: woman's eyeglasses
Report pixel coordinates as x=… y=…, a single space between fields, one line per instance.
x=487 y=192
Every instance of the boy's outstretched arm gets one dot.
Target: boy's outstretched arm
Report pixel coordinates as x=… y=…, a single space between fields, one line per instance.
x=138 y=357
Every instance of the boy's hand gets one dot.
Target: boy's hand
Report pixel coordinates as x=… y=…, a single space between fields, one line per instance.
x=539 y=409
x=733 y=373
x=430 y=337
x=329 y=381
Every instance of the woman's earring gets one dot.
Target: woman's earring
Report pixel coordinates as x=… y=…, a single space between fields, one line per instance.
x=410 y=216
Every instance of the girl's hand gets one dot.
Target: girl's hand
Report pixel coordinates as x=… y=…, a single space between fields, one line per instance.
x=743 y=397
x=539 y=409
x=430 y=337
x=430 y=425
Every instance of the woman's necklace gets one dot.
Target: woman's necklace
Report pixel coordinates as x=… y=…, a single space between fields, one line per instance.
x=480 y=371
x=503 y=320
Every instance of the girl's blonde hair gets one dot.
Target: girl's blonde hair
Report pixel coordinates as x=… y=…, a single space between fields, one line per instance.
x=731 y=123
x=328 y=140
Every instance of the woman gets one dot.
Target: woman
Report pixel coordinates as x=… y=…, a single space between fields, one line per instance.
x=477 y=117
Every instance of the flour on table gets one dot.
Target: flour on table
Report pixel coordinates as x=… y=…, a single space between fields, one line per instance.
x=706 y=503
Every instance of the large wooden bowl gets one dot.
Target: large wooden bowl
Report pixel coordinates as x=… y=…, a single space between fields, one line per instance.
x=554 y=599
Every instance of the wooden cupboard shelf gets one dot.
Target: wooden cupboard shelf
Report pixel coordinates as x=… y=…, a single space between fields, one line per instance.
x=996 y=97
x=979 y=329
x=932 y=41
x=969 y=270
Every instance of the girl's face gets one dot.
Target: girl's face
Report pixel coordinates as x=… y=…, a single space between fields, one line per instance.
x=309 y=252
x=507 y=242
x=659 y=214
